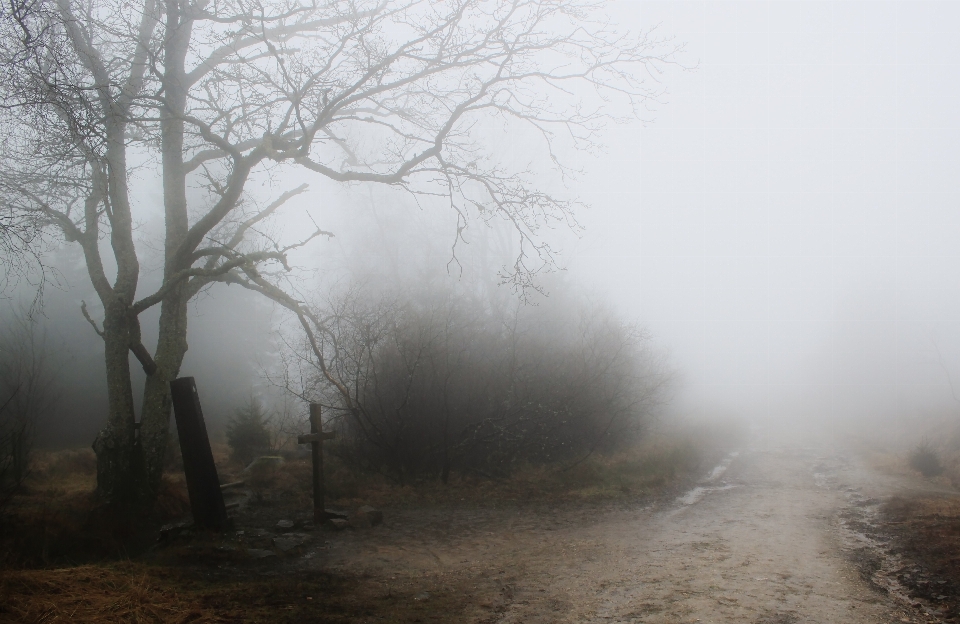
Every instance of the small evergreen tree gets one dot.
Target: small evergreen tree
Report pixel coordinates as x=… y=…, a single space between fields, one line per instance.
x=247 y=432
x=925 y=459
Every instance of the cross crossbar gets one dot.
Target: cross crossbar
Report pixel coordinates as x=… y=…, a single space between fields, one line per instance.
x=315 y=437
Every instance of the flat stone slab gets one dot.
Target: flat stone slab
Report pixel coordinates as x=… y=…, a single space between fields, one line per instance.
x=338 y=524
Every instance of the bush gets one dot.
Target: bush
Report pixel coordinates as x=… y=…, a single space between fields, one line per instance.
x=925 y=459
x=29 y=392
x=451 y=381
x=248 y=434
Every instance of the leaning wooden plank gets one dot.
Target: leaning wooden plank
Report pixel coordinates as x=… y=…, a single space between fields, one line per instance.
x=203 y=484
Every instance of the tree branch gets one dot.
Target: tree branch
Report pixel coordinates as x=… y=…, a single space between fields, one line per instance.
x=86 y=315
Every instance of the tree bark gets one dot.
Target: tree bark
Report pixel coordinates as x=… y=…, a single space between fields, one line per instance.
x=115 y=446
x=155 y=413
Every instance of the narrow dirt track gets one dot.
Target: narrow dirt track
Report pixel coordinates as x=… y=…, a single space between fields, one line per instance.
x=761 y=540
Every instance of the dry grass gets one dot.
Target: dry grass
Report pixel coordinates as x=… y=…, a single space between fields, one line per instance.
x=136 y=593
x=115 y=593
x=66 y=473
x=57 y=518
x=927 y=535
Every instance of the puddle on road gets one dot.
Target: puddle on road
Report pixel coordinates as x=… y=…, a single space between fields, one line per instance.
x=697 y=493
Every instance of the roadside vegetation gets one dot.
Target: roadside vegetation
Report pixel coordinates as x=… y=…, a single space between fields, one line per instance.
x=925 y=532
x=922 y=526
x=425 y=382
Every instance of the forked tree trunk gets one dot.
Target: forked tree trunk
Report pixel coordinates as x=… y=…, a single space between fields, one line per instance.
x=122 y=450
x=115 y=446
x=119 y=465
x=130 y=460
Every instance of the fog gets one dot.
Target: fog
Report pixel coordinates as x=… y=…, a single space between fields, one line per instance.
x=783 y=223
x=786 y=222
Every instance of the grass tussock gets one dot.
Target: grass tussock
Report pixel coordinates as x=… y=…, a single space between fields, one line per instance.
x=63 y=472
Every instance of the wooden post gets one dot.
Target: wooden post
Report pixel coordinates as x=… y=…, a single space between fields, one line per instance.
x=316 y=438
x=203 y=484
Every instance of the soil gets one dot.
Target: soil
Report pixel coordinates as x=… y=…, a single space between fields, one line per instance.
x=776 y=533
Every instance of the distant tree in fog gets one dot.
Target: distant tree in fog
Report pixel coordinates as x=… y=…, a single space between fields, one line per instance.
x=426 y=382
x=218 y=95
x=29 y=391
x=247 y=432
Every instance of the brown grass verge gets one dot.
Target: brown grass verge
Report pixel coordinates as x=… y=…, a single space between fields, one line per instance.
x=137 y=593
x=57 y=519
x=926 y=533
x=95 y=593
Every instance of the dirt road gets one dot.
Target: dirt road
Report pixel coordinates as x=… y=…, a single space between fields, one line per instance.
x=767 y=537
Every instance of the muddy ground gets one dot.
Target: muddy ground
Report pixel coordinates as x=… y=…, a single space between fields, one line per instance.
x=768 y=536
x=776 y=533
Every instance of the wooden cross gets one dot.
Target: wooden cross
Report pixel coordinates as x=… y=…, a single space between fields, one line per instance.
x=315 y=438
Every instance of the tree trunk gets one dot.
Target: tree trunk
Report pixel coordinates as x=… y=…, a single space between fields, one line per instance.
x=118 y=466
x=172 y=340
x=155 y=414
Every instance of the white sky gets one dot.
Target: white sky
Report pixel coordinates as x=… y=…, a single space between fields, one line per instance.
x=787 y=224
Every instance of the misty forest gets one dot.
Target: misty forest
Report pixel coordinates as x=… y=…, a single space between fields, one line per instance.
x=490 y=311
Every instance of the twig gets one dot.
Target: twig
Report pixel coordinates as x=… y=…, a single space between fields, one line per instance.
x=86 y=315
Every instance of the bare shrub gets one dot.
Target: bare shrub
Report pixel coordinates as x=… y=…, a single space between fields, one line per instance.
x=422 y=384
x=29 y=391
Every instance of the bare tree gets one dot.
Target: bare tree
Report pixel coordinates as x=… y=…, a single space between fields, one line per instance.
x=29 y=391
x=218 y=93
